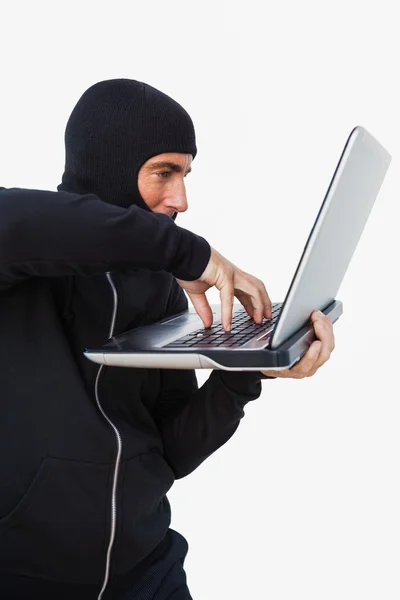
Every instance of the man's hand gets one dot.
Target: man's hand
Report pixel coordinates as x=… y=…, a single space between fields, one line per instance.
x=317 y=354
x=230 y=281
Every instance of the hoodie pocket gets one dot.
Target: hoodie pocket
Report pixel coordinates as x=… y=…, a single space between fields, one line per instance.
x=59 y=530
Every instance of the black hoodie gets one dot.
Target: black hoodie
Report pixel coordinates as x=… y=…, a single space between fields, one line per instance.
x=88 y=453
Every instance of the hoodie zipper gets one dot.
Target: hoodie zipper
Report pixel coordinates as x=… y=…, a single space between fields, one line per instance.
x=119 y=451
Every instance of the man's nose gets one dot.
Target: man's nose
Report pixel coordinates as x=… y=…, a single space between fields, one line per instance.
x=178 y=198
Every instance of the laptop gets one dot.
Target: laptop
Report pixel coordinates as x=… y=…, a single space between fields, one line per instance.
x=181 y=341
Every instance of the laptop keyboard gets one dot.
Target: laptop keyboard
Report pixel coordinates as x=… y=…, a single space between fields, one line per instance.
x=243 y=329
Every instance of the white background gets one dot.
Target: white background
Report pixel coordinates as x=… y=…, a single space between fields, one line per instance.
x=303 y=501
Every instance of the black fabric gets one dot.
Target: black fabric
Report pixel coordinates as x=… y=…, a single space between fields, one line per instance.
x=50 y=234
x=69 y=263
x=116 y=126
x=166 y=578
x=57 y=451
x=161 y=576
x=21 y=587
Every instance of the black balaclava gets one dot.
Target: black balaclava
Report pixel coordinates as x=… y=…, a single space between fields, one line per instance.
x=115 y=127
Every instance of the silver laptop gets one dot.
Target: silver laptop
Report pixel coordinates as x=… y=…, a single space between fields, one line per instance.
x=182 y=342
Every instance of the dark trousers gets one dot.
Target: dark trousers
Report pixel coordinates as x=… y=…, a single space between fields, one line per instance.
x=166 y=578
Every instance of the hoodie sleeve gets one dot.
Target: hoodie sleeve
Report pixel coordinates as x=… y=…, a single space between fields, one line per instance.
x=194 y=422
x=51 y=234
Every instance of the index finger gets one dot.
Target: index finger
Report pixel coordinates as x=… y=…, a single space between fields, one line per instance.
x=227 y=298
x=267 y=304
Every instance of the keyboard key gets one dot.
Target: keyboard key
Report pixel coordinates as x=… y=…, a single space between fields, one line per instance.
x=243 y=329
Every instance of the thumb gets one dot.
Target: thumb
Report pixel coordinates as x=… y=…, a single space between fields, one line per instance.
x=202 y=308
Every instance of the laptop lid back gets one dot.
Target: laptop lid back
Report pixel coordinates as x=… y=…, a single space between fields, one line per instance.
x=337 y=229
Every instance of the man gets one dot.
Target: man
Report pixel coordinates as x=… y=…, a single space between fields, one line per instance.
x=88 y=453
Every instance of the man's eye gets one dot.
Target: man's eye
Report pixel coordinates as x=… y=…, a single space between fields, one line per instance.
x=164 y=174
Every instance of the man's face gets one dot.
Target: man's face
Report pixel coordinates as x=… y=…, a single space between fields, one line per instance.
x=161 y=182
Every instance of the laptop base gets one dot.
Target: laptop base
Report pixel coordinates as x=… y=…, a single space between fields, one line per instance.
x=231 y=359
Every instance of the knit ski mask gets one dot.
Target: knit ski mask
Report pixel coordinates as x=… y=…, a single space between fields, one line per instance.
x=115 y=127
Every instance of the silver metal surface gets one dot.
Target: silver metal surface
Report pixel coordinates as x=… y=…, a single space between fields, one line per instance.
x=168 y=361
x=148 y=361
x=209 y=363
x=336 y=232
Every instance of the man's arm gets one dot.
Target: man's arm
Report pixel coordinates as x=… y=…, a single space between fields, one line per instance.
x=194 y=422
x=50 y=234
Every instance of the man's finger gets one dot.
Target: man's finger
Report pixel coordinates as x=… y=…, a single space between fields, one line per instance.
x=202 y=307
x=246 y=302
x=254 y=307
x=267 y=312
x=323 y=357
x=323 y=329
x=259 y=310
x=317 y=317
x=308 y=361
x=262 y=306
x=227 y=297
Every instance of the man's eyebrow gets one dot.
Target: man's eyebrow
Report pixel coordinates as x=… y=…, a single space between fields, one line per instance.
x=170 y=165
